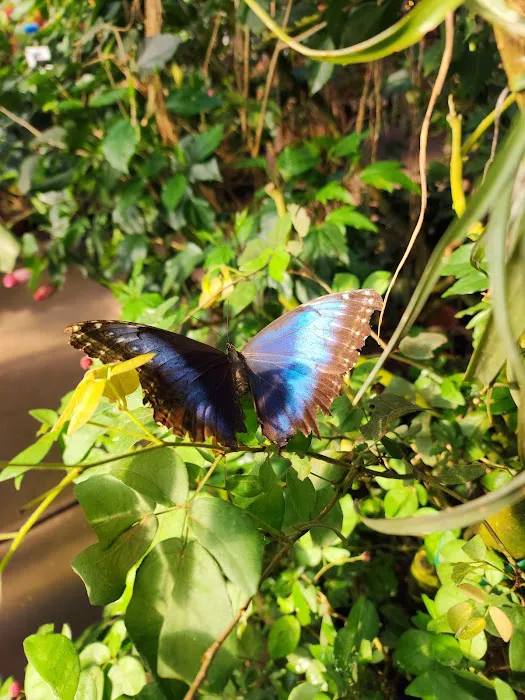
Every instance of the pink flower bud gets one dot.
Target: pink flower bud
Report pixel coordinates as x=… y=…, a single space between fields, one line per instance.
x=43 y=292
x=86 y=362
x=22 y=275
x=14 y=689
x=211 y=92
x=9 y=281
x=366 y=556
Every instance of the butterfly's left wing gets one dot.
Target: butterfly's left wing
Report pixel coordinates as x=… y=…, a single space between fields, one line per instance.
x=189 y=384
x=297 y=363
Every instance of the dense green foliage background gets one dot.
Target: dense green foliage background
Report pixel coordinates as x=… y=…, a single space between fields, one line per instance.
x=214 y=179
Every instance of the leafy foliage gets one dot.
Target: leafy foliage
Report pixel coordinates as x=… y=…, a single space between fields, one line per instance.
x=252 y=572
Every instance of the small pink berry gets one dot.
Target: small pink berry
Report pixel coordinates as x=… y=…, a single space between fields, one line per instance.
x=211 y=92
x=14 y=689
x=43 y=292
x=9 y=281
x=22 y=275
x=86 y=362
x=366 y=556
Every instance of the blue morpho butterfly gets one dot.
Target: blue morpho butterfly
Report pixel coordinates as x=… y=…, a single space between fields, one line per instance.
x=293 y=366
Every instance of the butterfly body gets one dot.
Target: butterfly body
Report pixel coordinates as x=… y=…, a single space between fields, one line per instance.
x=239 y=370
x=292 y=367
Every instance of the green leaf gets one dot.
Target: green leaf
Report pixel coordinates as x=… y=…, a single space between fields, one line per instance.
x=296 y=161
x=199 y=602
x=95 y=654
x=333 y=191
x=517 y=651
x=54 y=658
x=9 y=250
x=270 y=507
x=149 y=603
x=242 y=296
x=201 y=146
x=304 y=691
x=412 y=653
x=173 y=191
x=422 y=346
x=104 y=98
x=401 y=502
x=33 y=454
x=320 y=73
x=127 y=677
x=378 y=280
x=472 y=628
x=458 y=615
x=104 y=571
x=347 y=146
x=386 y=408
x=344 y=281
x=326 y=241
x=324 y=536
x=111 y=507
x=87 y=685
x=284 y=636
x=190 y=101
x=119 y=145
x=474 y=282
x=245 y=485
x=349 y=216
x=232 y=538
x=255 y=256
x=160 y=476
x=476 y=548
x=302 y=494
x=462 y=474
x=278 y=264
x=387 y=175
x=362 y=623
x=503 y=690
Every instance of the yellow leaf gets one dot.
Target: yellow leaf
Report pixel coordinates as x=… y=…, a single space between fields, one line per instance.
x=210 y=291
x=138 y=361
x=88 y=395
x=121 y=385
x=501 y=623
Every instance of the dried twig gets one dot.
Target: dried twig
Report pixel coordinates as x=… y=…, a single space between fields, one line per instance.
x=423 y=141
x=211 y=45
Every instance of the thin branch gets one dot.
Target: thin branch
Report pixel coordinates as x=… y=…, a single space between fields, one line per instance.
x=211 y=45
x=33 y=518
x=497 y=115
x=268 y=85
x=363 y=100
x=423 y=142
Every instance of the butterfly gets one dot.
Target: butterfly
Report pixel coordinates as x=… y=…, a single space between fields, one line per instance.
x=292 y=367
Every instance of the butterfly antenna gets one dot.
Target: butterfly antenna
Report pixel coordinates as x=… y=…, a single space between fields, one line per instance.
x=207 y=325
x=227 y=322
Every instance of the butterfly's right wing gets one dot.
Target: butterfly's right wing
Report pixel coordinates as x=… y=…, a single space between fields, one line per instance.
x=188 y=384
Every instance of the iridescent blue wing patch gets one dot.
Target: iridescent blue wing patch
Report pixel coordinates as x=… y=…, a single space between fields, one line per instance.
x=188 y=384
x=297 y=363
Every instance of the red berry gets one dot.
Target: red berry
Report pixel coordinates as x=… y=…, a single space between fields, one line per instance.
x=86 y=362
x=43 y=292
x=14 y=689
x=9 y=281
x=22 y=275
